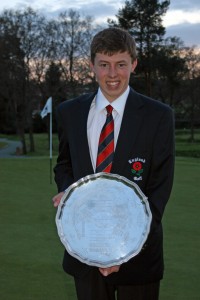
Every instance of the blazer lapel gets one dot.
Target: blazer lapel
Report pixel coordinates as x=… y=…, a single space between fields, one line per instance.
x=131 y=122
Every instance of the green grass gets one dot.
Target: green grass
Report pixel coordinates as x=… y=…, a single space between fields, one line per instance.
x=184 y=146
x=31 y=252
x=42 y=145
x=182 y=231
x=40 y=141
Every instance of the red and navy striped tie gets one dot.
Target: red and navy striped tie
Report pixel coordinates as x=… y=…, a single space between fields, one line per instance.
x=106 y=144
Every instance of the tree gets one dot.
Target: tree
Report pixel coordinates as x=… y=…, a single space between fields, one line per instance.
x=72 y=47
x=170 y=67
x=26 y=26
x=143 y=19
x=192 y=79
x=53 y=86
x=12 y=76
x=31 y=28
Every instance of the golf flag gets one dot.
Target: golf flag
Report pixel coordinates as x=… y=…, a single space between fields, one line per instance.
x=47 y=108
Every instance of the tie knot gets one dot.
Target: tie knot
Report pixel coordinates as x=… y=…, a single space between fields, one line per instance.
x=109 y=109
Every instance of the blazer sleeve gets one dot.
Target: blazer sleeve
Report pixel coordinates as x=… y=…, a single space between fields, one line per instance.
x=63 y=169
x=160 y=180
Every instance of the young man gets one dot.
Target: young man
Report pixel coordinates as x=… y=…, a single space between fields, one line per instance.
x=144 y=136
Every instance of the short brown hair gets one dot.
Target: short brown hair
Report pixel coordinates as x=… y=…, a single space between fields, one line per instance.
x=113 y=40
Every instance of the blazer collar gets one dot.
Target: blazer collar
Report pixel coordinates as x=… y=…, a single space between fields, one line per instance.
x=131 y=122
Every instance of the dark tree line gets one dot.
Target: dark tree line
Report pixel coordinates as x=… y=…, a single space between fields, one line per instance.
x=40 y=58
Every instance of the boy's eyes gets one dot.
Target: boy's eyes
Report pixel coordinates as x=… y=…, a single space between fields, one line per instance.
x=105 y=65
x=121 y=65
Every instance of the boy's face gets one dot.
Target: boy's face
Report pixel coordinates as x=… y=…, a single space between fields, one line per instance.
x=113 y=73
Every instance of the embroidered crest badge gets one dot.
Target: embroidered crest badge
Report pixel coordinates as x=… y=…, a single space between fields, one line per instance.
x=137 y=167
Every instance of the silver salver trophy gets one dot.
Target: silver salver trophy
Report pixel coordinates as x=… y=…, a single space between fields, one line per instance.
x=103 y=220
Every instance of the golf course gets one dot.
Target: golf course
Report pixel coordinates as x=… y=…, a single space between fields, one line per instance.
x=31 y=252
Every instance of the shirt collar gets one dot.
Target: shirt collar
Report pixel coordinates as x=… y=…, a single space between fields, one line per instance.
x=118 y=104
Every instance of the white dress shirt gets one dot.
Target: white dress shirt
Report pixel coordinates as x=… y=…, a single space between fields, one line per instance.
x=97 y=118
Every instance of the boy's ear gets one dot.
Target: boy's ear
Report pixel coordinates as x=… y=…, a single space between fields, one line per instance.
x=134 y=65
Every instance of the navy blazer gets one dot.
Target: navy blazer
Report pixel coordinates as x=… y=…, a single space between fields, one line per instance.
x=147 y=136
